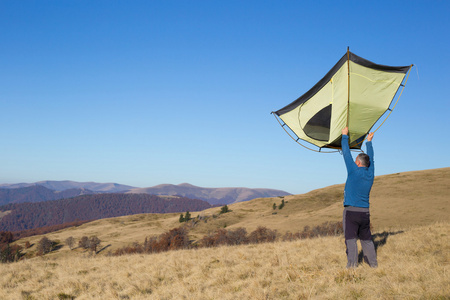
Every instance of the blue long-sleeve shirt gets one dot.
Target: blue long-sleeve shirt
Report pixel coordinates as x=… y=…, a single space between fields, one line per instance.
x=359 y=179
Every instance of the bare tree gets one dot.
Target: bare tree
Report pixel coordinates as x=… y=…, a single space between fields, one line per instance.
x=94 y=242
x=84 y=242
x=27 y=245
x=44 y=246
x=70 y=242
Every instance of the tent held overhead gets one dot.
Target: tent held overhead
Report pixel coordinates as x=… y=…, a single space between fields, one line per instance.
x=354 y=93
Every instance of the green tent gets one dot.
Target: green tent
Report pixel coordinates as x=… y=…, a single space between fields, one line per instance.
x=354 y=93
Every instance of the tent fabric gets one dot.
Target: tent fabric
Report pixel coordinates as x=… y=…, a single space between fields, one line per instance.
x=354 y=93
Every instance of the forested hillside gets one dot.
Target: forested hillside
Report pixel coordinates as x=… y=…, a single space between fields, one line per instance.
x=24 y=216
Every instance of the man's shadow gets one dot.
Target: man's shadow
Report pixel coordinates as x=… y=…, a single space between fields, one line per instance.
x=379 y=240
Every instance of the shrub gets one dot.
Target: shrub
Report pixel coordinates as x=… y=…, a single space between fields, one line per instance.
x=237 y=236
x=224 y=237
x=325 y=229
x=70 y=242
x=329 y=228
x=221 y=237
x=44 y=246
x=10 y=253
x=306 y=233
x=84 y=242
x=224 y=209
x=94 y=242
x=281 y=205
x=207 y=241
x=177 y=238
x=6 y=237
x=174 y=239
x=262 y=235
x=289 y=236
x=150 y=244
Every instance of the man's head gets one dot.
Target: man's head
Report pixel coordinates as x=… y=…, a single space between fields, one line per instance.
x=362 y=160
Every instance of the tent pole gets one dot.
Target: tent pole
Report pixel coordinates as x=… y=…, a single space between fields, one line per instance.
x=348 y=85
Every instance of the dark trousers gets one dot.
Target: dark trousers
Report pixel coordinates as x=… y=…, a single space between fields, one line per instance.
x=356 y=222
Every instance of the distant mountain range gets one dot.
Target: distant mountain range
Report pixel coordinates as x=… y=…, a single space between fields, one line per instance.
x=54 y=190
x=67 y=184
x=211 y=195
x=37 y=193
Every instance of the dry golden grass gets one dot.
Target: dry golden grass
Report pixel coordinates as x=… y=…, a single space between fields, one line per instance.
x=398 y=201
x=413 y=264
x=411 y=198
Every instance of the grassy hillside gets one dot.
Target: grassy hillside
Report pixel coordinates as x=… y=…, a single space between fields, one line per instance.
x=398 y=201
x=413 y=264
x=410 y=215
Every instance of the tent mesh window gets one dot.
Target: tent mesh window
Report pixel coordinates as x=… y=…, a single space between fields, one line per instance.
x=318 y=127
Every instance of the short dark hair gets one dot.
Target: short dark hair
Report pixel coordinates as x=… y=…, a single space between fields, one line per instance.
x=364 y=159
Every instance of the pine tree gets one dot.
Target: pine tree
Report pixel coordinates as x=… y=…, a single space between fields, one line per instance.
x=181 y=219
x=187 y=217
x=224 y=209
x=281 y=205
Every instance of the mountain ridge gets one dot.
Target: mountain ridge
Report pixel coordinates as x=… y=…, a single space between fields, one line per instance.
x=13 y=193
x=227 y=195
x=62 y=185
x=38 y=193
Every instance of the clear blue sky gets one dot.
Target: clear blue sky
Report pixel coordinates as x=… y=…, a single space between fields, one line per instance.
x=151 y=92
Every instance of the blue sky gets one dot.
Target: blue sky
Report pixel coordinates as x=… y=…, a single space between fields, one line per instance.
x=151 y=92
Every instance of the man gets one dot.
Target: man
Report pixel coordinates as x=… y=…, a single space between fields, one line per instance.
x=356 y=218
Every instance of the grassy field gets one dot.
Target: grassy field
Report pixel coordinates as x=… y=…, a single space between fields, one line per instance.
x=409 y=212
x=398 y=201
x=413 y=264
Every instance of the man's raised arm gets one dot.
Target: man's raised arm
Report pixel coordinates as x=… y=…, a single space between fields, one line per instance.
x=370 y=149
x=349 y=163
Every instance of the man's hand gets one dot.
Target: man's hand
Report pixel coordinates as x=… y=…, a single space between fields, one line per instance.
x=345 y=131
x=370 y=137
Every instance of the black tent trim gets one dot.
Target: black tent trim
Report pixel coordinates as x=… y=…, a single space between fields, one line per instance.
x=319 y=85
